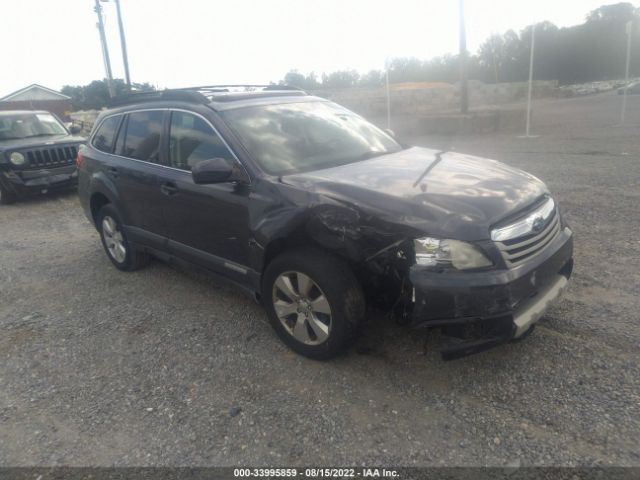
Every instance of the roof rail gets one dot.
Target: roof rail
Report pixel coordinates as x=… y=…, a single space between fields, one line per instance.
x=203 y=94
x=183 y=95
x=240 y=88
x=230 y=93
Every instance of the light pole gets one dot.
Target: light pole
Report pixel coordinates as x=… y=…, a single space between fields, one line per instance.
x=464 y=74
x=626 y=75
x=105 y=50
x=123 y=44
x=388 y=95
x=533 y=46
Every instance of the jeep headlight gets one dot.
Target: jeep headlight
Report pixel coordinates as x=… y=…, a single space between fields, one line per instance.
x=17 y=158
x=434 y=252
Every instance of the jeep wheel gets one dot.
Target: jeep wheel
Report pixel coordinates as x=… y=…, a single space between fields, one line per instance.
x=115 y=243
x=7 y=197
x=314 y=302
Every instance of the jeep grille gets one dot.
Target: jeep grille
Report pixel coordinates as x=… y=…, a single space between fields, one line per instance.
x=51 y=157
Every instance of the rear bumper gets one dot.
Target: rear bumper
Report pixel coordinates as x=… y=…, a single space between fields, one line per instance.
x=491 y=307
x=36 y=181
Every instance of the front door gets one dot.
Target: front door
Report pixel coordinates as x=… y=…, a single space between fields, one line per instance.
x=207 y=224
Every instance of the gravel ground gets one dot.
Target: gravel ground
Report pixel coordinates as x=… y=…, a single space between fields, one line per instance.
x=165 y=367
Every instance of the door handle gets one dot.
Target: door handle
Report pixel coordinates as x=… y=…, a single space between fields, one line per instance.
x=169 y=188
x=113 y=171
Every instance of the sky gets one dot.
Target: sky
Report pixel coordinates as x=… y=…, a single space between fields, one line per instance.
x=180 y=43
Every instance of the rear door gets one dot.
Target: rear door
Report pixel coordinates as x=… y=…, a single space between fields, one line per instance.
x=207 y=224
x=136 y=171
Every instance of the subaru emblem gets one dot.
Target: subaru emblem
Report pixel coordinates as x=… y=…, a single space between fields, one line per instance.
x=537 y=224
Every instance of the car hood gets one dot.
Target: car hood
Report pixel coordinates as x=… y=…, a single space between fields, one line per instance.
x=446 y=194
x=17 y=144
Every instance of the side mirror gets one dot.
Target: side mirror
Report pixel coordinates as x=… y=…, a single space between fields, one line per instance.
x=214 y=170
x=390 y=132
x=75 y=129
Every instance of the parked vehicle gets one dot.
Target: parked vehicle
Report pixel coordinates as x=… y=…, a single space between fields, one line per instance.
x=632 y=88
x=37 y=154
x=317 y=213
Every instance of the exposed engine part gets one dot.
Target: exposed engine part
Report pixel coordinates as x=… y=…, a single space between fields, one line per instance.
x=385 y=274
x=379 y=252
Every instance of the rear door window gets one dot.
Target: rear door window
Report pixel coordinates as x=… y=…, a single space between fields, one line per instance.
x=142 y=138
x=104 y=137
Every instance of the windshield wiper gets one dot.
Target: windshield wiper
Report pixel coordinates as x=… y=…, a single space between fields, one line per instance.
x=370 y=154
x=430 y=167
x=42 y=135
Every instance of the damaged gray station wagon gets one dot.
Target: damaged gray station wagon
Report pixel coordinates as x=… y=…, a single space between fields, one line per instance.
x=318 y=213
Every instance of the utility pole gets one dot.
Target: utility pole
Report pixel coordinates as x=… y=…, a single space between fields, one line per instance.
x=533 y=46
x=105 y=50
x=464 y=74
x=388 y=95
x=626 y=75
x=123 y=44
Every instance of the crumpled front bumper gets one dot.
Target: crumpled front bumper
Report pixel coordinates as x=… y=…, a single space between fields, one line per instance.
x=34 y=181
x=491 y=307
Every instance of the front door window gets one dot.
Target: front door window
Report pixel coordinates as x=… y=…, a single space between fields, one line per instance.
x=192 y=140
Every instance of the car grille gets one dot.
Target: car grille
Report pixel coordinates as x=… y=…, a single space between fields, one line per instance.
x=519 y=249
x=51 y=157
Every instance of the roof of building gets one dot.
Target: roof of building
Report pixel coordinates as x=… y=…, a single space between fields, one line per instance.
x=34 y=92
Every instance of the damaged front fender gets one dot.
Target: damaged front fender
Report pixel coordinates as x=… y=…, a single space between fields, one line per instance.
x=313 y=218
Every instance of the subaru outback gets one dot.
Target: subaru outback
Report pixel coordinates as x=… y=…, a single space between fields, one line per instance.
x=317 y=214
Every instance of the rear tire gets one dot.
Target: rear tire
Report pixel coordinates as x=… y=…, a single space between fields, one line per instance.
x=119 y=250
x=313 y=301
x=7 y=197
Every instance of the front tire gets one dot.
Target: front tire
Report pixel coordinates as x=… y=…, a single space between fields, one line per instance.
x=313 y=301
x=116 y=245
x=7 y=197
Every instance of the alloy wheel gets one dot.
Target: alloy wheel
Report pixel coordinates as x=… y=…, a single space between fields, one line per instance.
x=113 y=239
x=302 y=307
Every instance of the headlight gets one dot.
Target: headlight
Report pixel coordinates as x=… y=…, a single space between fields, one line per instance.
x=17 y=158
x=433 y=252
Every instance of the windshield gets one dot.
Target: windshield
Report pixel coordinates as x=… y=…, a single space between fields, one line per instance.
x=298 y=137
x=25 y=125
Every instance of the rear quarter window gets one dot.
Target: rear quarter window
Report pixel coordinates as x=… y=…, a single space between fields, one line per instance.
x=106 y=134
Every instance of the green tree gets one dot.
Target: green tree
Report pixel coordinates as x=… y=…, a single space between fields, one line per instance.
x=592 y=51
x=340 y=79
x=617 y=12
x=296 y=79
x=491 y=55
x=95 y=95
x=373 y=78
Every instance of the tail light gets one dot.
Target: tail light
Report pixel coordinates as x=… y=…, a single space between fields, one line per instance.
x=79 y=158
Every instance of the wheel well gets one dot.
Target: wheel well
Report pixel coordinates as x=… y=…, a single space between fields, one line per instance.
x=98 y=200
x=281 y=245
x=383 y=278
x=295 y=239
